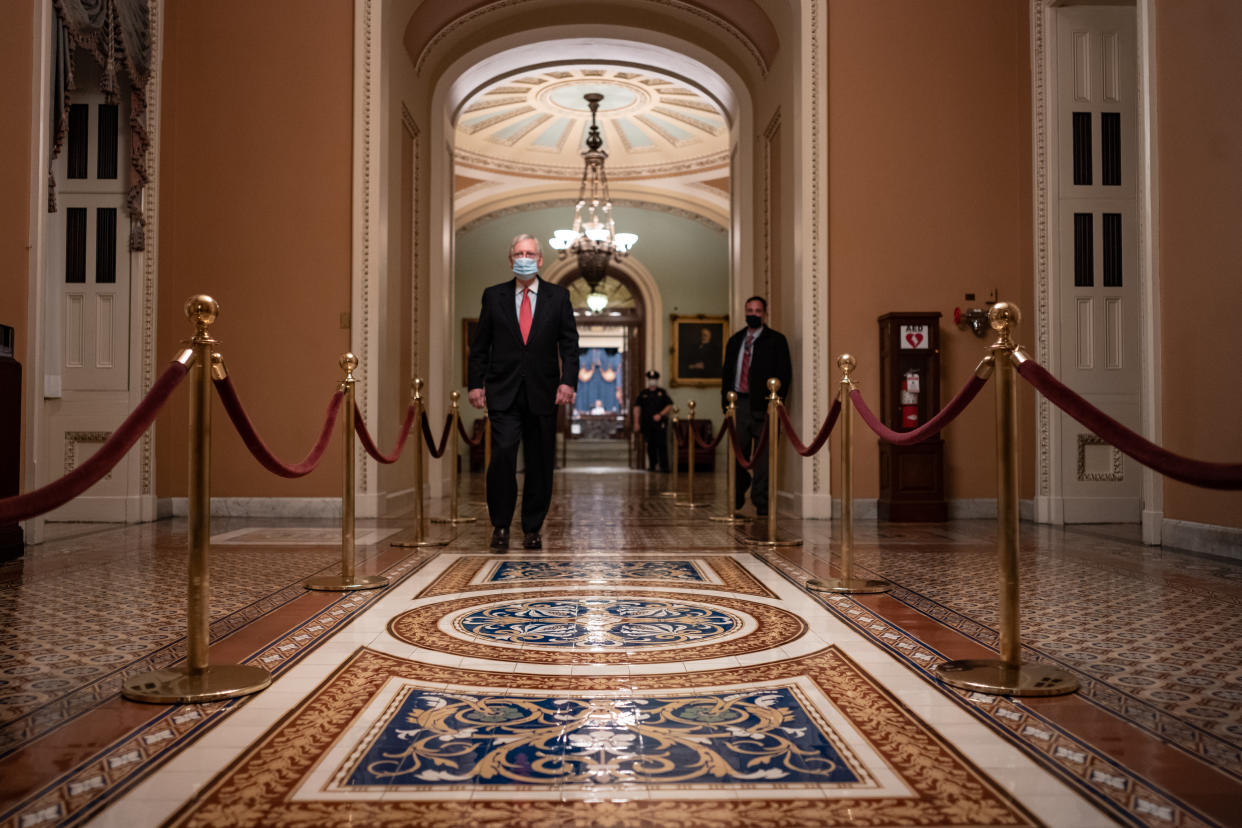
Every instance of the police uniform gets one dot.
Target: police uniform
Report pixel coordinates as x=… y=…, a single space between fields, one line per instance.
x=650 y=402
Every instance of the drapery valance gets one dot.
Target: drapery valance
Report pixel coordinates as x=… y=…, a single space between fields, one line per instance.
x=117 y=34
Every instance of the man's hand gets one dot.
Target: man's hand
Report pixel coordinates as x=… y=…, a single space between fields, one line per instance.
x=477 y=397
x=564 y=394
x=656 y=417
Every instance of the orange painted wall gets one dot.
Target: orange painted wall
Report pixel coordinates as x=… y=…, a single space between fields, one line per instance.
x=255 y=210
x=1198 y=66
x=930 y=197
x=16 y=66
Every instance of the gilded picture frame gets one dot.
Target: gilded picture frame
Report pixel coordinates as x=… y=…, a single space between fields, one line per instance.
x=698 y=345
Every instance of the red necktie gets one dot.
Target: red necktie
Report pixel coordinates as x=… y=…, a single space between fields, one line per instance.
x=524 y=315
x=743 y=383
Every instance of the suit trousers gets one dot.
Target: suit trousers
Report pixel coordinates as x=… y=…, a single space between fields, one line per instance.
x=537 y=434
x=749 y=427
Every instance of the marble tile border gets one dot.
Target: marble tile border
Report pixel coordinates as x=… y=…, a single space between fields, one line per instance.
x=1125 y=794
x=299 y=536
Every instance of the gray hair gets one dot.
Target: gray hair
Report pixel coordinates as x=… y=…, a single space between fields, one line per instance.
x=523 y=237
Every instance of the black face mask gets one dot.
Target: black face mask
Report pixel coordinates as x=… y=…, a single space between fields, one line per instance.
x=754 y=321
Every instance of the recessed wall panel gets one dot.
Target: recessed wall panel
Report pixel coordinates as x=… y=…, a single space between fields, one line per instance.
x=1114 y=348
x=75 y=330
x=105 y=329
x=1085 y=332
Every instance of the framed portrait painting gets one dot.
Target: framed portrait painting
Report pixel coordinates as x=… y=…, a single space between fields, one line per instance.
x=698 y=349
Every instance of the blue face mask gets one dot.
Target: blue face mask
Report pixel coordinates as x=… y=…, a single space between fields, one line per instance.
x=525 y=267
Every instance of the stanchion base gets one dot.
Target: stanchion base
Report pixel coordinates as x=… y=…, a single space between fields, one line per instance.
x=730 y=519
x=177 y=684
x=689 y=504
x=847 y=585
x=667 y=494
x=995 y=677
x=779 y=540
x=454 y=520
x=335 y=583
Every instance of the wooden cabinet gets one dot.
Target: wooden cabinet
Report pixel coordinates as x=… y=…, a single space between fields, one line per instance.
x=911 y=477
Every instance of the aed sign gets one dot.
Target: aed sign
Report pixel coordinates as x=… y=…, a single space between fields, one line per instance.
x=914 y=338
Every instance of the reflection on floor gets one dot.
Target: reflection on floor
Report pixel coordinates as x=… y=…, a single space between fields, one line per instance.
x=646 y=667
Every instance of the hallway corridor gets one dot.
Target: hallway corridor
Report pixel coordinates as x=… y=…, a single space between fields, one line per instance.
x=646 y=667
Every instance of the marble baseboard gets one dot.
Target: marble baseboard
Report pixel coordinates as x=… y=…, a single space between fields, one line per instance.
x=963 y=508
x=276 y=507
x=1204 y=538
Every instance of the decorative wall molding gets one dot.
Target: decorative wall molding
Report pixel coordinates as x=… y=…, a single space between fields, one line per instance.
x=1043 y=317
x=819 y=341
x=466 y=159
x=679 y=5
x=150 y=254
x=1116 y=471
x=367 y=120
x=73 y=439
x=770 y=134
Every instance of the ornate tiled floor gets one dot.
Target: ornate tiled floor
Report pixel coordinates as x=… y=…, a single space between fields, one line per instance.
x=645 y=668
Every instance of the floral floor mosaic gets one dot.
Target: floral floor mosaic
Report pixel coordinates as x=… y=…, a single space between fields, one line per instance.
x=645 y=668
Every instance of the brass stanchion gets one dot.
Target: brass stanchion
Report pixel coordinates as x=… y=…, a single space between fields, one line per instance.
x=691 y=452
x=774 y=441
x=672 y=438
x=731 y=515
x=487 y=453
x=847 y=582
x=1007 y=676
x=197 y=680
x=453 y=518
x=420 y=520
x=347 y=581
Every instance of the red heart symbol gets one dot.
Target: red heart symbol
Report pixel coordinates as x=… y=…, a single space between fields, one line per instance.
x=914 y=339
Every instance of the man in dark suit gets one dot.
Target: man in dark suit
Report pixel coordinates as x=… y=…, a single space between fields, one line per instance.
x=523 y=364
x=754 y=355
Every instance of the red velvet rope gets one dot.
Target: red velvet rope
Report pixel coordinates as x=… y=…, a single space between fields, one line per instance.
x=245 y=428
x=820 y=438
x=930 y=428
x=437 y=451
x=715 y=441
x=470 y=441
x=92 y=470
x=364 y=436
x=1195 y=472
x=760 y=445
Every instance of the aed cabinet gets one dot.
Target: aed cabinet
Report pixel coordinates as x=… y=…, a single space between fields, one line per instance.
x=911 y=477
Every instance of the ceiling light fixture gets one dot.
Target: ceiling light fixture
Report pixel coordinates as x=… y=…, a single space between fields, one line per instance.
x=593 y=238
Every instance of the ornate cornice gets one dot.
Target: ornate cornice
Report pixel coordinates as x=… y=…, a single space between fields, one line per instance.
x=617 y=202
x=678 y=5
x=618 y=173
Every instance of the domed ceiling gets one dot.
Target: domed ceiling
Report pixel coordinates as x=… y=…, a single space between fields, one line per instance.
x=667 y=142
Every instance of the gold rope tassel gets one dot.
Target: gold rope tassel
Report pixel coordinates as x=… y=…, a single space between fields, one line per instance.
x=1007 y=676
x=197 y=680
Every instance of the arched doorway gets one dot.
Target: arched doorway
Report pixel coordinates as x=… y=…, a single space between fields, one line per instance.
x=612 y=362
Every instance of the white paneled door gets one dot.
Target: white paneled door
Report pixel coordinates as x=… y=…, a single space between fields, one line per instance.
x=1097 y=278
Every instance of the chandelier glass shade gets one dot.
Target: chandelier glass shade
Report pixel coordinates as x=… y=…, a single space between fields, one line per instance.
x=593 y=237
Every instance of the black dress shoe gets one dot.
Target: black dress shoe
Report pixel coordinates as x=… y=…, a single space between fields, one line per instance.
x=532 y=541
x=500 y=538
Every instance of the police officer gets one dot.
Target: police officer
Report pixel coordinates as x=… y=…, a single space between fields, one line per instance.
x=651 y=408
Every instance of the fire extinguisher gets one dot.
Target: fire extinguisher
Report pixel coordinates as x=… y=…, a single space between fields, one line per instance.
x=910 y=399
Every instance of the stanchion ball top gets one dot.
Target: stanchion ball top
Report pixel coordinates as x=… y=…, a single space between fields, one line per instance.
x=692 y=404
x=774 y=385
x=1004 y=315
x=454 y=395
x=846 y=363
x=202 y=310
x=348 y=362
x=731 y=396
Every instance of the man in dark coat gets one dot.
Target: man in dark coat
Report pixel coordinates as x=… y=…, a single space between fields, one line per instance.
x=523 y=364
x=754 y=355
x=651 y=408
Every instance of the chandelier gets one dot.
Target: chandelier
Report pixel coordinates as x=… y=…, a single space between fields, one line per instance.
x=593 y=238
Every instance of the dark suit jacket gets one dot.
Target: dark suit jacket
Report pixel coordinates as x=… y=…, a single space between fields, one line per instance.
x=769 y=358
x=500 y=362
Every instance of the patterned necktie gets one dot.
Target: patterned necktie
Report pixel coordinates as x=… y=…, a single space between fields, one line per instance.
x=524 y=315
x=743 y=383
